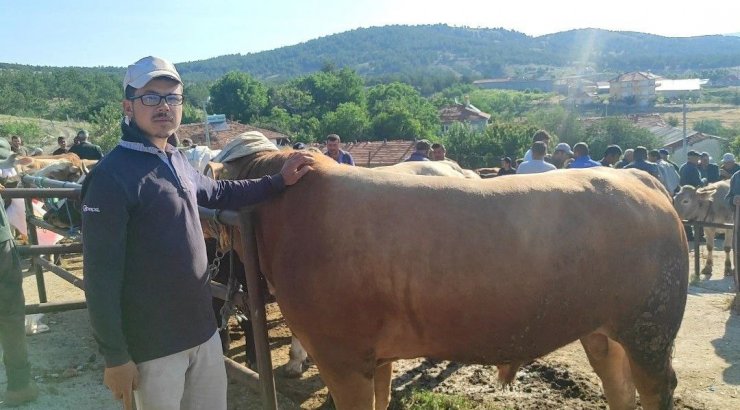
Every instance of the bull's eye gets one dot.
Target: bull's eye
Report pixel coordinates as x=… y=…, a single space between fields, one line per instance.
x=685 y=202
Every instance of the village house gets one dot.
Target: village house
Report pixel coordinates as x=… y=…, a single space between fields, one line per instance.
x=463 y=113
x=634 y=88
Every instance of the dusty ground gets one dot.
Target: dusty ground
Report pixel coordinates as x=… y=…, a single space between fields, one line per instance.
x=707 y=361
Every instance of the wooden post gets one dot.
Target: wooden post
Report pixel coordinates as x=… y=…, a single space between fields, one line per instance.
x=735 y=233
x=257 y=309
x=697 y=253
x=34 y=240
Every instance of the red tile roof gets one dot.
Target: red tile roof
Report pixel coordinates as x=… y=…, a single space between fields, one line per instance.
x=461 y=113
x=196 y=132
x=376 y=153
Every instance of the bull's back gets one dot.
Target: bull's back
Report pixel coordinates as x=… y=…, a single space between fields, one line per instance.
x=467 y=270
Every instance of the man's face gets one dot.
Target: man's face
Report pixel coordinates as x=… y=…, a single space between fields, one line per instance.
x=332 y=147
x=559 y=156
x=15 y=141
x=692 y=159
x=62 y=143
x=438 y=154
x=159 y=121
x=612 y=159
x=705 y=159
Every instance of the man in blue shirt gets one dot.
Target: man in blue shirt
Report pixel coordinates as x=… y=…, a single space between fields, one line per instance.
x=641 y=162
x=332 y=149
x=689 y=172
x=582 y=157
x=421 y=152
x=146 y=282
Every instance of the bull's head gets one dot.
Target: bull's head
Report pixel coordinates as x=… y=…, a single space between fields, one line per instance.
x=692 y=203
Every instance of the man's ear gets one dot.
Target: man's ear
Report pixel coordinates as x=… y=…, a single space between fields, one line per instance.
x=128 y=108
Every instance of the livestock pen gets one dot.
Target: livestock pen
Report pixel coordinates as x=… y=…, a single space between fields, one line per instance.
x=44 y=188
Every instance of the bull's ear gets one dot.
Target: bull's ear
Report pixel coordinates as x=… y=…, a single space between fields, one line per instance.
x=706 y=195
x=214 y=170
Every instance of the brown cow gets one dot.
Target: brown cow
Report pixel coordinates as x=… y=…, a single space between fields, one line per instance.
x=708 y=204
x=65 y=167
x=362 y=282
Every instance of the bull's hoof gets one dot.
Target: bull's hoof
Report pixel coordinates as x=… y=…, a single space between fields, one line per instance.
x=707 y=270
x=293 y=370
x=729 y=272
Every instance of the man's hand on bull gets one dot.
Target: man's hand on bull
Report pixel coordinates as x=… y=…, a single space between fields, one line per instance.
x=122 y=381
x=297 y=165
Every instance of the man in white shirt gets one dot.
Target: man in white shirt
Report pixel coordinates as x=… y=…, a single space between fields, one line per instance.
x=537 y=164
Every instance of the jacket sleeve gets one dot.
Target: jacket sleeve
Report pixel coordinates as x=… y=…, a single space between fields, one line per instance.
x=234 y=194
x=104 y=219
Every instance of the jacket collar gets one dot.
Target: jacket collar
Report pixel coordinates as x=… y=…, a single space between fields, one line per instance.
x=133 y=138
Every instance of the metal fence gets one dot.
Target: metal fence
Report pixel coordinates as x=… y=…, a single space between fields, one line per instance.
x=262 y=382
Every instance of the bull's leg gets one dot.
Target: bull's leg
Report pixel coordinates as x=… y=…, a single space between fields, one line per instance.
x=350 y=387
x=383 y=375
x=611 y=364
x=298 y=356
x=729 y=234
x=710 y=247
x=251 y=350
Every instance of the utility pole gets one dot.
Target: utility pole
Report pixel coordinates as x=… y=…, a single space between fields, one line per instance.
x=205 y=123
x=685 y=142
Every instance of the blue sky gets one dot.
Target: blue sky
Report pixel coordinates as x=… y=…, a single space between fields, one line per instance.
x=102 y=33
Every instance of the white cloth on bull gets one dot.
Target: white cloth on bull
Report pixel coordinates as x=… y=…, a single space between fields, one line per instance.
x=244 y=144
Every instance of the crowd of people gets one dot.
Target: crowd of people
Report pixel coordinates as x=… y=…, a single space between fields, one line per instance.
x=698 y=171
x=80 y=146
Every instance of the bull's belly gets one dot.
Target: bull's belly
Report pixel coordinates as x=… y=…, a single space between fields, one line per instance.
x=484 y=344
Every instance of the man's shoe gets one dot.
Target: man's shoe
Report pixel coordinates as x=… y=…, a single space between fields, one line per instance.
x=17 y=397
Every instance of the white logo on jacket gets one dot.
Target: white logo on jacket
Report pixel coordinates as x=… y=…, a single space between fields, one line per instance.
x=86 y=208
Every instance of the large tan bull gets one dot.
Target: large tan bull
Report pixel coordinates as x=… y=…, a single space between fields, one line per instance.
x=369 y=267
x=708 y=204
x=430 y=168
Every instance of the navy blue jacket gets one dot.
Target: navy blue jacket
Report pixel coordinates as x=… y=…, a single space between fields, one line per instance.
x=146 y=285
x=690 y=175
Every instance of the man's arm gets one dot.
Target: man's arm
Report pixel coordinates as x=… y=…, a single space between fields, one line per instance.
x=234 y=194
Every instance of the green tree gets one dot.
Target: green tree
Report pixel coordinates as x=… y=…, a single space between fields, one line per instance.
x=29 y=131
x=106 y=126
x=330 y=88
x=239 y=96
x=399 y=111
x=620 y=131
x=350 y=121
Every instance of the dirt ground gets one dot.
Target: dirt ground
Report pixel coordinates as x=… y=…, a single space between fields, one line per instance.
x=68 y=369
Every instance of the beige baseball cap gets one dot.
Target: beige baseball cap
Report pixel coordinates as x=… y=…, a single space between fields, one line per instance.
x=141 y=72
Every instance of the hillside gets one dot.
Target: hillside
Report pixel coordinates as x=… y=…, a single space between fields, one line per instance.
x=475 y=53
x=402 y=52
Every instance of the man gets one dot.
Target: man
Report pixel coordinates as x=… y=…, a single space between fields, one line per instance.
x=668 y=175
x=689 y=172
x=85 y=149
x=439 y=153
x=421 y=152
x=729 y=167
x=582 y=157
x=16 y=145
x=146 y=284
x=537 y=164
x=562 y=156
x=611 y=156
x=506 y=168
x=540 y=135
x=664 y=155
x=332 y=149
x=708 y=170
x=21 y=389
x=626 y=159
x=62 y=142
x=641 y=162
x=690 y=175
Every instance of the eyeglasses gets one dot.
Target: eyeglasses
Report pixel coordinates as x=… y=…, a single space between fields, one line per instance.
x=152 y=100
